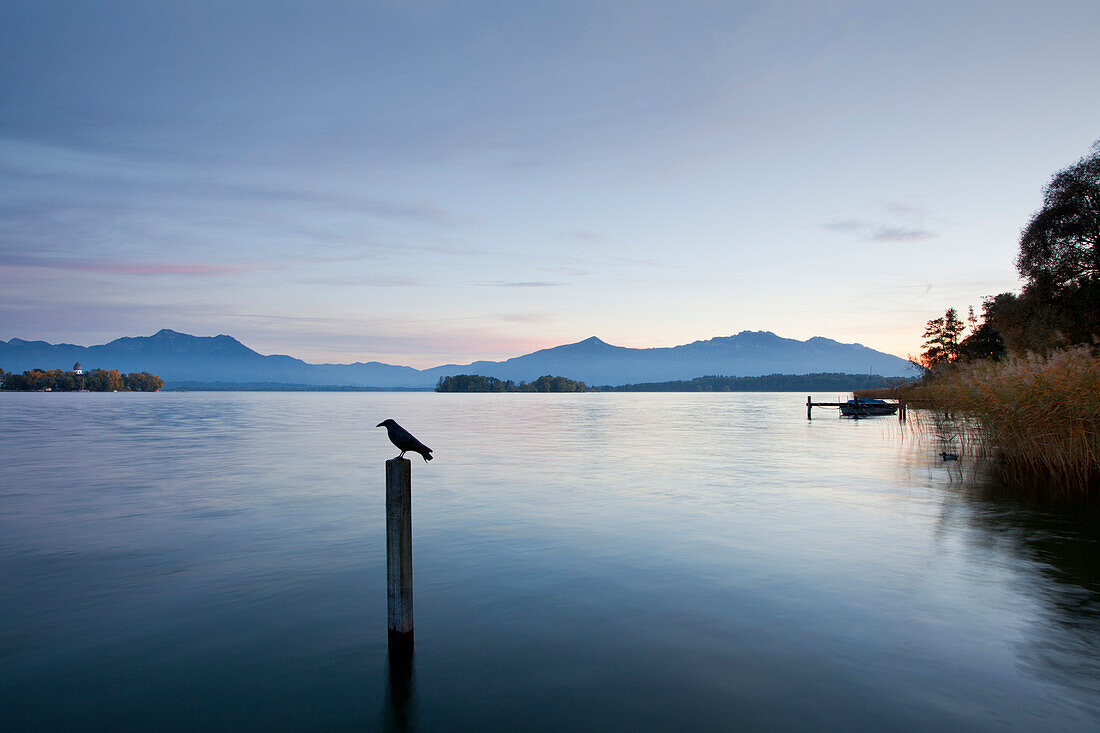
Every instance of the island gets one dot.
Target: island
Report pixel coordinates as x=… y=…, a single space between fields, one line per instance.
x=478 y=383
x=822 y=382
x=78 y=380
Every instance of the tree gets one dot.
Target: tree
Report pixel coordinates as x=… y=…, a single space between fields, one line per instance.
x=114 y=381
x=1060 y=247
x=1060 y=259
x=142 y=382
x=983 y=343
x=470 y=383
x=941 y=339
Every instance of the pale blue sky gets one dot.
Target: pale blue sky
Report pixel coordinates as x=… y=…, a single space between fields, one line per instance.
x=421 y=183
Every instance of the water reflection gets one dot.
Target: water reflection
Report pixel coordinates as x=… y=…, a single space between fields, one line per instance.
x=399 y=707
x=1059 y=541
x=218 y=560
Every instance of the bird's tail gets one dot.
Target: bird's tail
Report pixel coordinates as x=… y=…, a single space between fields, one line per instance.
x=427 y=456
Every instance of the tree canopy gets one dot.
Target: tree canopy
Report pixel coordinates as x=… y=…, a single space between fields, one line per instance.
x=1059 y=259
x=941 y=339
x=1060 y=246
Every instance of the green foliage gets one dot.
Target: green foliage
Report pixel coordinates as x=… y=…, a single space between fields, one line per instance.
x=142 y=382
x=94 y=380
x=548 y=383
x=478 y=383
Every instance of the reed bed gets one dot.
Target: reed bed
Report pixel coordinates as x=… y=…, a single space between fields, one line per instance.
x=1037 y=416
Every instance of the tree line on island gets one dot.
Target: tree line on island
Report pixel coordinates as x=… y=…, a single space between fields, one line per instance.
x=768 y=383
x=1026 y=373
x=93 y=380
x=823 y=382
x=478 y=383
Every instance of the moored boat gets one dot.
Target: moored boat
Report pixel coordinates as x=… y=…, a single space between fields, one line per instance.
x=867 y=407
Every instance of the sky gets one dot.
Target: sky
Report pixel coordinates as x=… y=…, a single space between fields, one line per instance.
x=438 y=182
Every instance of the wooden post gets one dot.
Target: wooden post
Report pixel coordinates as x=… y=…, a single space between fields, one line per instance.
x=399 y=576
x=808 y=408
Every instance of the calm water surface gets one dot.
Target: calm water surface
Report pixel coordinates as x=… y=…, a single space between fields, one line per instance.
x=582 y=562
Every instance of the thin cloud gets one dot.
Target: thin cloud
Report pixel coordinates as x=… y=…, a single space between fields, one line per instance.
x=427 y=211
x=585 y=235
x=583 y=263
x=524 y=317
x=902 y=209
x=128 y=268
x=565 y=270
x=900 y=234
x=846 y=225
x=879 y=232
x=41 y=163
x=519 y=284
x=375 y=282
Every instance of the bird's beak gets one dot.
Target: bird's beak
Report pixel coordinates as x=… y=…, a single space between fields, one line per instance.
x=378 y=425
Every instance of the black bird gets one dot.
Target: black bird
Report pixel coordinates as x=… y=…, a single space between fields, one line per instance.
x=949 y=456
x=404 y=440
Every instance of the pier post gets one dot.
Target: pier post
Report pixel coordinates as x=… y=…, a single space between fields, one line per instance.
x=809 y=406
x=399 y=592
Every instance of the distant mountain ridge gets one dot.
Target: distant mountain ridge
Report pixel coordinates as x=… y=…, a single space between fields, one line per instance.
x=178 y=357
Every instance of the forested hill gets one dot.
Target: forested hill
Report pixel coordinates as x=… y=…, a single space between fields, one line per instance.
x=768 y=383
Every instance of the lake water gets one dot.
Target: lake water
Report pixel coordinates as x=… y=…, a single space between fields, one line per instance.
x=202 y=561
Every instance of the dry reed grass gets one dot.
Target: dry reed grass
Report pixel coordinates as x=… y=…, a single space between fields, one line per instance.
x=1038 y=416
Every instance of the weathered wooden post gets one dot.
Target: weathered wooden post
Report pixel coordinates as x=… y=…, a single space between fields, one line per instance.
x=399 y=575
x=809 y=407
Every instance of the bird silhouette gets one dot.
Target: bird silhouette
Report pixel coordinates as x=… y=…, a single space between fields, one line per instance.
x=944 y=456
x=404 y=440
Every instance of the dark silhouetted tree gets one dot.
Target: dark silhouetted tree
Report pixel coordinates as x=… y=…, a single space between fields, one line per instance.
x=941 y=339
x=1060 y=247
x=1060 y=259
x=983 y=343
x=478 y=383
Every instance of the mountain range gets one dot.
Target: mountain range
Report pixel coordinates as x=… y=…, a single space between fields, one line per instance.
x=179 y=357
